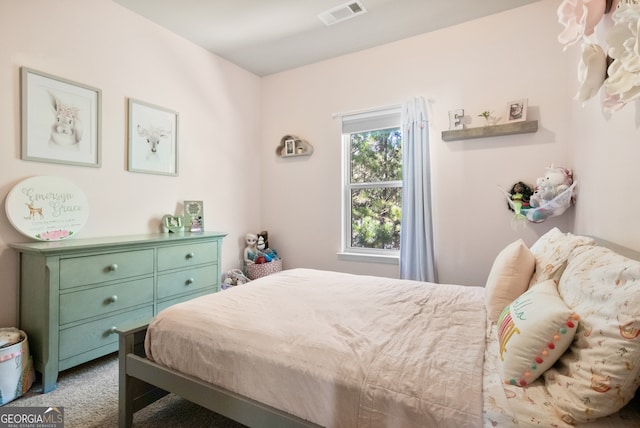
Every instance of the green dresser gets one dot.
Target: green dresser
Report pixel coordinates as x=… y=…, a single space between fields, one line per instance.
x=75 y=293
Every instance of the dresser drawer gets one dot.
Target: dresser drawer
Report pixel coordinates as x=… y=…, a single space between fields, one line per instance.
x=190 y=280
x=104 y=267
x=181 y=256
x=85 y=337
x=102 y=300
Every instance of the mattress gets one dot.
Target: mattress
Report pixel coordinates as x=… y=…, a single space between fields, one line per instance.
x=336 y=349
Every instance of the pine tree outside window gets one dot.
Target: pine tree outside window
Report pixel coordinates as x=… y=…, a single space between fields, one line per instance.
x=372 y=183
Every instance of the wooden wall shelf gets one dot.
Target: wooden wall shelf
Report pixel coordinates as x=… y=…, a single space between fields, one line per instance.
x=525 y=127
x=299 y=147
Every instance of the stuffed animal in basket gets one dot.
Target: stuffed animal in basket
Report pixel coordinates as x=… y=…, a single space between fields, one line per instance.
x=251 y=250
x=264 y=255
x=265 y=238
x=520 y=195
x=555 y=181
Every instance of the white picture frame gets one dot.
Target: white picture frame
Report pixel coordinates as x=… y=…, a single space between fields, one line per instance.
x=289 y=147
x=60 y=120
x=153 y=139
x=194 y=215
x=517 y=110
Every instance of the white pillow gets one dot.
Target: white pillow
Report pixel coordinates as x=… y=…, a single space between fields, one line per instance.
x=551 y=251
x=533 y=332
x=602 y=365
x=509 y=277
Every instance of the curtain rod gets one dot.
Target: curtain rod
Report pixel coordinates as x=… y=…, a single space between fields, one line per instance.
x=368 y=110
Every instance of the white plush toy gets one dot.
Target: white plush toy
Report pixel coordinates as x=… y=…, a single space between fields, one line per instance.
x=555 y=181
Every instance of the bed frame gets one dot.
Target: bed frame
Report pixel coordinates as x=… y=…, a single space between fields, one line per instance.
x=141 y=382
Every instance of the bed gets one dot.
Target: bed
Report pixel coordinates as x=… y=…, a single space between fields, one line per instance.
x=308 y=348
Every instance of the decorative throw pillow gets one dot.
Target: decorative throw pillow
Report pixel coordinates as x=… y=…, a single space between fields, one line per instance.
x=601 y=371
x=509 y=277
x=551 y=251
x=533 y=332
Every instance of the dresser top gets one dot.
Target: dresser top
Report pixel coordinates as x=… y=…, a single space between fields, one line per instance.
x=113 y=241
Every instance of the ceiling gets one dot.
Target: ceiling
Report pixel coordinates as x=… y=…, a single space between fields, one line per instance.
x=269 y=36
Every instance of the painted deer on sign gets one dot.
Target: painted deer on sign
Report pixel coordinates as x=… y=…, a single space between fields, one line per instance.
x=33 y=211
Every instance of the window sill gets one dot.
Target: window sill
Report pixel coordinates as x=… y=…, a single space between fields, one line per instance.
x=371 y=258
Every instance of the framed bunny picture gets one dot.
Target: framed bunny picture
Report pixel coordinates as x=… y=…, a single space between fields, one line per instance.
x=60 y=120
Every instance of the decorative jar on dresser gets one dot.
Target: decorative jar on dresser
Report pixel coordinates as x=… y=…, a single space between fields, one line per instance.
x=75 y=293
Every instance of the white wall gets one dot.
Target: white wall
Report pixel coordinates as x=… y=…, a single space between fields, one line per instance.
x=99 y=43
x=231 y=122
x=477 y=66
x=606 y=149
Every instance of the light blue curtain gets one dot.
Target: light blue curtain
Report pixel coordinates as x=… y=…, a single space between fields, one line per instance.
x=416 y=238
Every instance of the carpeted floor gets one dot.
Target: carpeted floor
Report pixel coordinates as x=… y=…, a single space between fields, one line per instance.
x=89 y=395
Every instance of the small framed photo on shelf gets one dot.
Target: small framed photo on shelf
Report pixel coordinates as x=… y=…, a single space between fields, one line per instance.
x=289 y=147
x=517 y=110
x=194 y=215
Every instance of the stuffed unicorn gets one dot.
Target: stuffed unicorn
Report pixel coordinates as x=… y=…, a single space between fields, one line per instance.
x=555 y=181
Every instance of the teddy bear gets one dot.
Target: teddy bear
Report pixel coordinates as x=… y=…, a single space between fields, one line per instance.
x=555 y=181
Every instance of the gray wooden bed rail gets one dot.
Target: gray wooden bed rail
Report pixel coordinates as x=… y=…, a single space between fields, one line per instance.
x=141 y=382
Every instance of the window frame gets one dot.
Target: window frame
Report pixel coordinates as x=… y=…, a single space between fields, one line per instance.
x=368 y=121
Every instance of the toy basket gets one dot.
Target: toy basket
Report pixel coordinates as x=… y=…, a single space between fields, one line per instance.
x=258 y=270
x=16 y=368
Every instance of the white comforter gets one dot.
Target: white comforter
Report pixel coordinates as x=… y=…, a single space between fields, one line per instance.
x=336 y=349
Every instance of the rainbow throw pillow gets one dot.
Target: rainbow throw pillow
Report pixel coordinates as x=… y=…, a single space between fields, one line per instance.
x=533 y=332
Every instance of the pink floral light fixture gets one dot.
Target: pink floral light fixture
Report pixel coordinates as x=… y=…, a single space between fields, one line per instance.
x=616 y=66
x=579 y=18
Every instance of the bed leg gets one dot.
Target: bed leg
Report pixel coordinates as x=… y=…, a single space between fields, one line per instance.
x=125 y=395
x=130 y=341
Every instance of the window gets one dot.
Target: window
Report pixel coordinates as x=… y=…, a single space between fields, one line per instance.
x=372 y=183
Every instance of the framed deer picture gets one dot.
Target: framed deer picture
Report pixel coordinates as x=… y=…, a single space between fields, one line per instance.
x=60 y=120
x=153 y=139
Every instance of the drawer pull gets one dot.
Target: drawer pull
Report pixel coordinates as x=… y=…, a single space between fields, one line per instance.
x=113 y=267
x=113 y=298
x=190 y=255
x=190 y=281
x=113 y=329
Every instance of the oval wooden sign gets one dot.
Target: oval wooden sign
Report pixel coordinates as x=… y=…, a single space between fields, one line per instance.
x=47 y=208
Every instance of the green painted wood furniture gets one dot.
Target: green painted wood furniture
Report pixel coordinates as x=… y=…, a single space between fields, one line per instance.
x=74 y=294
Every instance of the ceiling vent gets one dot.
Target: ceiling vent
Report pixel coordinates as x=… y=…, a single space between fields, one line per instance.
x=343 y=12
